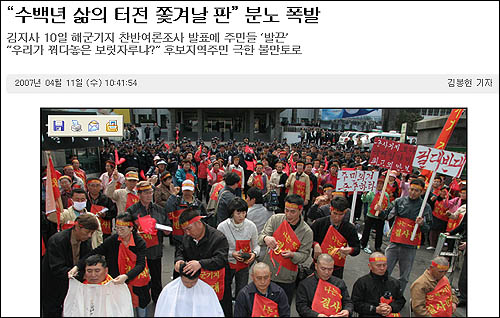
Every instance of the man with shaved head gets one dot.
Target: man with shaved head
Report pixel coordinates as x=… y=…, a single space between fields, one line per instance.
x=431 y=293
x=377 y=294
x=261 y=291
x=322 y=294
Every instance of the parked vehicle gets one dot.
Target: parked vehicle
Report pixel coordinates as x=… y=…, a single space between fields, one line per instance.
x=368 y=140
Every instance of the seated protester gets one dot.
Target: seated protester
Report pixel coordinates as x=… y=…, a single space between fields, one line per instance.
x=100 y=205
x=83 y=301
x=431 y=293
x=322 y=294
x=377 y=294
x=290 y=229
x=205 y=248
x=372 y=221
x=335 y=235
x=257 y=212
x=69 y=215
x=241 y=235
x=188 y=296
x=96 y=270
x=130 y=269
x=261 y=297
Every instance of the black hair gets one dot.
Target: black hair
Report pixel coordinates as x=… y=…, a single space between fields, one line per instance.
x=77 y=190
x=418 y=182
x=188 y=214
x=294 y=198
x=255 y=193
x=188 y=276
x=127 y=217
x=96 y=259
x=231 y=178
x=237 y=204
x=340 y=203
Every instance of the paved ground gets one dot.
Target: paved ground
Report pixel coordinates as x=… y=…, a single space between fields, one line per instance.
x=355 y=268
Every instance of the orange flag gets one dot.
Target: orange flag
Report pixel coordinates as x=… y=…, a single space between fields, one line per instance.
x=446 y=132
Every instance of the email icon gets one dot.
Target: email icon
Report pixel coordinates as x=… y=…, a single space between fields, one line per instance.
x=93 y=126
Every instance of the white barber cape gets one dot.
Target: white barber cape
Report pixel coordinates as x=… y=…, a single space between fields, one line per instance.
x=93 y=300
x=176 y=300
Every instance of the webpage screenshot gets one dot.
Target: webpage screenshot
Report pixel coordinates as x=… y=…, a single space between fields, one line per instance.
x=235 y=158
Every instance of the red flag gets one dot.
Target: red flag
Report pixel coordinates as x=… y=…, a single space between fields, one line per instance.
x=248 y=149
x=326 y=164
x=287 y=169
x=446 y=132
x=250 y=165
x=167 y=146
x=118 y=160
x=264 y=307
x=53 y=201
x=142 y=175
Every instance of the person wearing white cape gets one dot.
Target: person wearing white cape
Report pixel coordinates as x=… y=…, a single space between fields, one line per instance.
x=188 y=296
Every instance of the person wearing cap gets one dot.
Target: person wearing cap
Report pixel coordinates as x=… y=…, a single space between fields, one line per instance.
x=377 y=294
x=344 y=237
x=100 y=205
x=80 y=173
x=188 y=296
x=145 y=208
x=322 y=294
x=77 y=182
x=259 y=179
x=299 y=183
x=431 y=293
x=131 y=269
x=285 y=267
x=371 y=220
x=176 y=204
x=185 y=173
x=107 y=176
x=205 y=248
x=152 y=168
x=238 y=169
x=226 y=195
x=164 y=190
x=241 y=234
x=69 y=215
x=270 y=294
x=65 y=190
x=405 y=210
x=64 y=250
x=124 y=198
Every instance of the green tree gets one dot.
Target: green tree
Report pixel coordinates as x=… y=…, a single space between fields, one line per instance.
x=409 y=117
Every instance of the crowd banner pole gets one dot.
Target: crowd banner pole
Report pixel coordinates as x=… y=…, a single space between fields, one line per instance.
x=386 y=181
x=353 y=206
x=422 y=207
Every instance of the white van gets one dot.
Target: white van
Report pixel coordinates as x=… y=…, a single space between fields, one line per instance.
x=368 y=140
x=345 y=136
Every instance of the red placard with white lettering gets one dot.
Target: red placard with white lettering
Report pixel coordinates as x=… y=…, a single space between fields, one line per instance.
x=392 y=155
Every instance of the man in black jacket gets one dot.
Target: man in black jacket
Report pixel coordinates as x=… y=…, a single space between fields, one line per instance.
x=226 y=195
x=205 y=248
x=377 y=294
x=100 y=205
x=154 y=243
x=307 y=290
x=64 y=250
x=261 y=284
x=338 y=209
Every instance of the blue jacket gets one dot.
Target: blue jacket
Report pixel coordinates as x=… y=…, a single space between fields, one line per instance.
x=180 y=176
x=243 y=306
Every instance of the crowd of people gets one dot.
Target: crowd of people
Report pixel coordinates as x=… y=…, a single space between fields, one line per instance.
x=268 y=212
